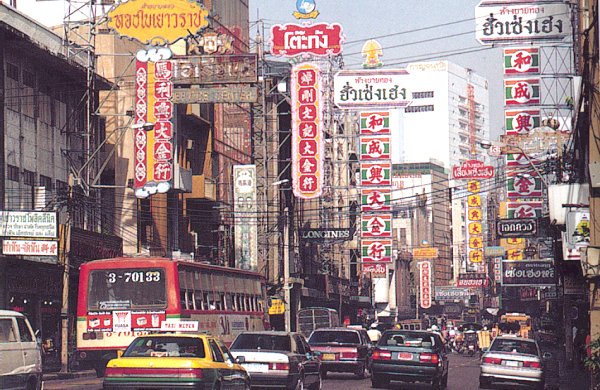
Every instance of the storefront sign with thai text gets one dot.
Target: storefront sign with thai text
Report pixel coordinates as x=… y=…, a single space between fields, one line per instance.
x=528 y=273
x=215 y=69
x=473 y=169
x=320 y=39
x=370 y=88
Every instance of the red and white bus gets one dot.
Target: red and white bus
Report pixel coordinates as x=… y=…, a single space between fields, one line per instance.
x=122 y=298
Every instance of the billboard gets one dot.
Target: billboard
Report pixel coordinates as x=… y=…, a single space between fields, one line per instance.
x=307 y=137
x=33 y=224
x=320 y=39
x=215 y=69
x=355 y=89
x=245 y=217
x=528 y=273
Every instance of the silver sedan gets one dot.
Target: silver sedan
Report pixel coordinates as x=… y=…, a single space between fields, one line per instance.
x=513 y=360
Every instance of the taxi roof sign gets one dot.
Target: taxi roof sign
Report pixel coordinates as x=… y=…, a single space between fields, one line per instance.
x=179 y=326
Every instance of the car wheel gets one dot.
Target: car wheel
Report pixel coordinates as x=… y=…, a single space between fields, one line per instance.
x=100 y=369
x=361 y=372
x=318 y=385
x=300 y=383
x=379 y=383
x=436 y=384
x=323 y=374
x=484 y=383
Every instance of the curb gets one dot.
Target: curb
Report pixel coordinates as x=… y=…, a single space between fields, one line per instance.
x=50 y=376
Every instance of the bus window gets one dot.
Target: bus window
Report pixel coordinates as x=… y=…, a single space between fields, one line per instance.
x=198 y=302
x=183 y=298
x=228 y=302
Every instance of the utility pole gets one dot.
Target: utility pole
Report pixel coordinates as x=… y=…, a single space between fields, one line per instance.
x=286 y=270
x=64 y=312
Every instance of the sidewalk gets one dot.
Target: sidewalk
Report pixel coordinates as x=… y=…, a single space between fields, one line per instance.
x=571 y=377
x=50 y=376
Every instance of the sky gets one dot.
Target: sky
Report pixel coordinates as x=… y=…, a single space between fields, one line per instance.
x=408 y=30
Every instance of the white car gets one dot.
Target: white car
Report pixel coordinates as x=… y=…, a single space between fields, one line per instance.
x=513 y=360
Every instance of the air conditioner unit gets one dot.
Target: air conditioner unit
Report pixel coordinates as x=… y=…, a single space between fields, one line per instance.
x=182 y=179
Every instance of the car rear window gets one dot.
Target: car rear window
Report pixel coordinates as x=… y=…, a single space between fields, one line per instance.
x=514 y=346
x=333 y=337
x=166 y=347
x=262 y=341
x=407 y=339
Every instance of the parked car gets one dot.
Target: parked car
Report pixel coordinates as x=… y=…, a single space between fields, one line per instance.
x=514 y=360
x=191 y=361
x=20 y=353
x=278 y=360
x=343 y=350
x=410 y=356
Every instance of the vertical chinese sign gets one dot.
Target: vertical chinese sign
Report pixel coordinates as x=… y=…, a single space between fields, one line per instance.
x=307 y=138
x=425 y=284
x=153 y=143
x=245 y=213
x=375 y=171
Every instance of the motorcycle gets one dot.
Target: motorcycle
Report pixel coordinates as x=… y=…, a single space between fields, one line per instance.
x=471 y=343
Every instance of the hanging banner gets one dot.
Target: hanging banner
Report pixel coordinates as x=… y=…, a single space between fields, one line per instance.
x=375 y=123
x=307 y=137
x=379 y=225
x=320 y=39
x=374 y=148
x=425 y=293
x=376 y=174
x=245 y=216
x=375 y=199
x=521 y=60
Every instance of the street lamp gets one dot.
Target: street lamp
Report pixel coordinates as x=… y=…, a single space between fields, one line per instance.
x=488 y=145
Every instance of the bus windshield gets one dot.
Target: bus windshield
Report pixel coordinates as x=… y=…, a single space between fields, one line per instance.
x=126 y=288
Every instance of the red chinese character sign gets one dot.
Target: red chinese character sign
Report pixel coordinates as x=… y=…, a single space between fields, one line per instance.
x=379 y=225
x=374 y=148
x=425 y=284
x=521 y=60
x=374 y=174
x=321 y=39
x=375 y=123
x=154 y=134
x=375 y=199
x=522 y=92
x=307 y=138
x=521 y=121
x=376 y=251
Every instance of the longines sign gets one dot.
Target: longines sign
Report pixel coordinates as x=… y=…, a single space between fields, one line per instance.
x=517 y=227
x=321 y=235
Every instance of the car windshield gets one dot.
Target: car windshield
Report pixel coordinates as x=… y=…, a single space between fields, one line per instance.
x=333 y=337
x=166 y=347
x=407 y=339
x=262 y=341
x=514 y=346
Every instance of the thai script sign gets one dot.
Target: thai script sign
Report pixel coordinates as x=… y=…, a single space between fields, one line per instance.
x=521 y=121
x=379 y=225
x=156 y=22
x=524 y=185
x=531 y=209
x=528 y=293
x=244 y=211
x=35 y=224
x=307 y=138
x=375 y=269
x=370 y=88
x=326 y=234
x=473 y=169
x=472 y=279
x=30 y=247
x=450 y=293
x=425 y=297
x=374 y=148
x=528 y=273
x=376 y=174
x=237 y=94
x=495 y=251
x=516 y=227
x=521 y=92
x=321 y=39
x=521 y=22
x=375 y=123
x=375 y=199
x=376 y=251
x=521 y=60
x=215 y=69
x=425 y=253
x=153 y=147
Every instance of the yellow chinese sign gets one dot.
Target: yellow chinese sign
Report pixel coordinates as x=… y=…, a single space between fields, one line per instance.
x=475 y=242
x=157 y=22
x=475 y=214
x=475 y=228
x=476 y=256
x=514 y=254
x=474 y=186
x=425 y=253
x=474 y=200
x=513 y=243
x=277 y=307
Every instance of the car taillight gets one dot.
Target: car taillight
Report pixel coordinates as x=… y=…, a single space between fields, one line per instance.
x=196 y=373
x=380 y=354
x=429 y=358
x=491 y=360
x=113 y=371
x=349 y=355
x=279 y=366
x=531 y=364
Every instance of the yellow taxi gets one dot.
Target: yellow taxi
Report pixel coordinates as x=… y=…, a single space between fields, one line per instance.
x=174 y=361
